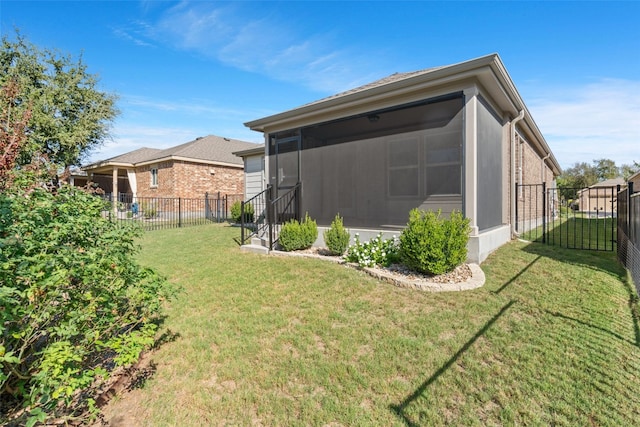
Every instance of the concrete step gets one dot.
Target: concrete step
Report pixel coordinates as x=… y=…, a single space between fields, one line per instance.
x=260 y=241
x=256 y=249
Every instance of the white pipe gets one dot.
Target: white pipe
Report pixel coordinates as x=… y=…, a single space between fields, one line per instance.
x=513 y=172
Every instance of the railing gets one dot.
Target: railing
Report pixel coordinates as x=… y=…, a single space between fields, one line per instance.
x=281 y=210
x=154 y=213
x=629 y=232
x=253 y=216
x=263 y=216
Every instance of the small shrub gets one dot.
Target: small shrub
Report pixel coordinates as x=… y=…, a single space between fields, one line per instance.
x=336 y=237
x=296 y=235
x=434 y=245
x=375 y=252
x=149 y=210
x=236 y=212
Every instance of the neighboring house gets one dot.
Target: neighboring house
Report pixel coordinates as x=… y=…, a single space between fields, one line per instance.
x=206 y=164
x=635 y=179
x=453 y=137
x=254 y=177
x=600 y=199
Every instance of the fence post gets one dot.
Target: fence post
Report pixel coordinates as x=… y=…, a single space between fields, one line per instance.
x=242 y=222
x=218 y=213
x=270 y=215
x=544 y=212
x=207 y=212
x=629 y=194
x=179 y=212
x=225 y=208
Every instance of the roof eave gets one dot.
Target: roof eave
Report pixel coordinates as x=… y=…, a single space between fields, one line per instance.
x=250 y=151
x=104 y=164
x=436 y=77
x=188 y=159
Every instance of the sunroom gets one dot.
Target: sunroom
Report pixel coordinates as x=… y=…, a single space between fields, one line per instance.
x=437 y=139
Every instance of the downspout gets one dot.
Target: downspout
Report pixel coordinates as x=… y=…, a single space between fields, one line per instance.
x=513 y=172
x=542 y=166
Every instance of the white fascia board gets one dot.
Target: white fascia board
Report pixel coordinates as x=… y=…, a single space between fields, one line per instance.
x=104 y=164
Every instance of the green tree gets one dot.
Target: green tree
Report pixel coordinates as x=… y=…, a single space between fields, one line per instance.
x=628 y=170
x=606 y=169
x=69 y=114
x=580 y=175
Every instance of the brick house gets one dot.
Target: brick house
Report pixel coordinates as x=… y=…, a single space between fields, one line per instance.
x=600 y=199
x=204 y=165
x=456 y=137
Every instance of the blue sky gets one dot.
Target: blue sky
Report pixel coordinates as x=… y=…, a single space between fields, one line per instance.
x=193 y=68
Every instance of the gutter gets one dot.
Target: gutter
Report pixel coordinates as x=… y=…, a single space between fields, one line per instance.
x=513 y=172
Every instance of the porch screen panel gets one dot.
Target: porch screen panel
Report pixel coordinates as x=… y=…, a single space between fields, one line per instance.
x=490 y=192
x=374 y=168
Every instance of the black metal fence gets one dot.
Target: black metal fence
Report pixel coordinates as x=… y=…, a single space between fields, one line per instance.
x=154 y=213
x=629 y=232
x=574 y=218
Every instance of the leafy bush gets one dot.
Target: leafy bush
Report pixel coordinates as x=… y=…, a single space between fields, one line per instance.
x=73 y=300
x=434 y=245
x=236 y=212
x=149 y=210
x=296 y=235
x=336 y=237
x=375 y=252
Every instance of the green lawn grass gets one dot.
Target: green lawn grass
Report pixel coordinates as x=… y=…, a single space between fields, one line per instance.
x=577 y=232
x=263 y=340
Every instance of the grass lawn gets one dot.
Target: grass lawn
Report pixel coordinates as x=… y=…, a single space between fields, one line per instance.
x=257 y=340
x=578 y=232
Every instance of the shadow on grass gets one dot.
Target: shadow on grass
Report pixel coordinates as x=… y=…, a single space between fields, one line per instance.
x=603 y=261
x=520 y=273
x=591 y=326
x=598 y=260
x=399 y=409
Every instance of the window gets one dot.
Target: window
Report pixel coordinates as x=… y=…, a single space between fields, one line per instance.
x=444 y=153
x=404 y=170
x=154 y=177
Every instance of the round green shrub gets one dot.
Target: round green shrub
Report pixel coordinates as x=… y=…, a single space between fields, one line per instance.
x=336 y=237
x=236 y=212
x=296 y=235
x=434 y=245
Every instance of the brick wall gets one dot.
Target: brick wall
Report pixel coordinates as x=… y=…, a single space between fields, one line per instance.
x=189 y=180
x=530 y=170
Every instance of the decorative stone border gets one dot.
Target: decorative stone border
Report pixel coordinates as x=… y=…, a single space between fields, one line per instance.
x=476 y=280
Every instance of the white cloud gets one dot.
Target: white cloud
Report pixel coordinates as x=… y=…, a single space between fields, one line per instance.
x=262 y=44
x=134 y=34
x=598 y=120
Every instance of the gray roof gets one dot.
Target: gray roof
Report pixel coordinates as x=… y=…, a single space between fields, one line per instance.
x=381 y=82
x=135 y=156
x=610 y=183
x=209 y=148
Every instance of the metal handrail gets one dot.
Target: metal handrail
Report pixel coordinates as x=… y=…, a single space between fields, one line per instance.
x=275 y=217
x=254 y=201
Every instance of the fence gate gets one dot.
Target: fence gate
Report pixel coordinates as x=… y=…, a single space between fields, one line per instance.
x=574 y=218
